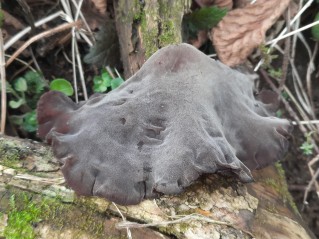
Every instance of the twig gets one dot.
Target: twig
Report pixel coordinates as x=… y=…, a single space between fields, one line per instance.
x=292 y=33
x=289 y=109
x=48 y=33
x=310 y=70
x=26 y=30
x=285 y=63
x=128 y=231
x=305 y=122
x=181 y=218
x=3 y=85
x=23 y=62
x=284 y=31
x=313 y=180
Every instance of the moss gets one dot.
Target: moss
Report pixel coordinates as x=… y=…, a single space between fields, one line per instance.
x=284 y=188
x=26 y=210
x=281 y=187
x=21 y=218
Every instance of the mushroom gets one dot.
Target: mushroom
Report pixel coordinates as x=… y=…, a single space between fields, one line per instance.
x=180 y=116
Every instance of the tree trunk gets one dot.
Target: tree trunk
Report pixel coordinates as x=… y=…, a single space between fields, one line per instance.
x=33 y=196
x=143 y=27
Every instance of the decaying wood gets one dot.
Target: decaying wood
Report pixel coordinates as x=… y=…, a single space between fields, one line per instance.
x=243 y=29
x=214 y=207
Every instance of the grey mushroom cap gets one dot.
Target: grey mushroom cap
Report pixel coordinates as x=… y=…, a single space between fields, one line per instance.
x=180 y=116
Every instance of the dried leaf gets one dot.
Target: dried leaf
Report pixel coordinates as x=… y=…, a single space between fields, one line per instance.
x=242 y=30
x=106 y=49
x=94 y=12
x=219 y=3
x=100 y=5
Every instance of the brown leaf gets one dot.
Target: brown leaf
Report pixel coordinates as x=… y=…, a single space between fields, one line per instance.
x=242 y=30
x=100 y=5
x=94 y=12
x=219 y=3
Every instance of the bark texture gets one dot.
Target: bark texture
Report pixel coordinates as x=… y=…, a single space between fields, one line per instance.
x=214 y=207
x=144 y=27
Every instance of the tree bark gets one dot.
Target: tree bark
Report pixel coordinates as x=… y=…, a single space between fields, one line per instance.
x=143 y=27
x=214 y=207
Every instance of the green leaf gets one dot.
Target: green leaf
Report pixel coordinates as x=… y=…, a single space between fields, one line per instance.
x=106 y=79
x=98 y=85
x=16 y=104
x=35 y=82
x=106 y=50
x=30 y=123
x=62 y=85
x=20 y=84
x=116 y=82
x=315 y=29
x=206 y=17
x=307 y=148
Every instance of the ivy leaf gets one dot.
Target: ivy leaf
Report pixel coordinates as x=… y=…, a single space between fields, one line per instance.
x=30 y=123
x=206 y=17
x=16 y=104
x=116 y=82
x=20 y=85
x=62 y=85
x=315 y=28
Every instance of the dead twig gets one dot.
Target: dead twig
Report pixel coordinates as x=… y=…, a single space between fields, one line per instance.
x=285 y=63
x=3 y=86
x=42 y=35
x=180 y=219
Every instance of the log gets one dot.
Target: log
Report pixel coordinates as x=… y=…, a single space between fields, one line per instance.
x=32 y=190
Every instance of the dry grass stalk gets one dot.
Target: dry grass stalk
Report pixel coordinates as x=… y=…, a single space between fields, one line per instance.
x=42 y=35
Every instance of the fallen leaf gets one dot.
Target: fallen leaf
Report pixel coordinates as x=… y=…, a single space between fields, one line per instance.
x=242 y=30
x=219 y=3
x=100 y=5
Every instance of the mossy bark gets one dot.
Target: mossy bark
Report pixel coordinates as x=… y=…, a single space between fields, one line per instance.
x=145 y=26
x=32 y=188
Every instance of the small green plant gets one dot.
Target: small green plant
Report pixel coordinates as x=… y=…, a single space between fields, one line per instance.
x=268 y=58
x=307 y=147
x=24 y=93
x=62 y=85
x=20 y=220
x=275 y=73
x=102 y=83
